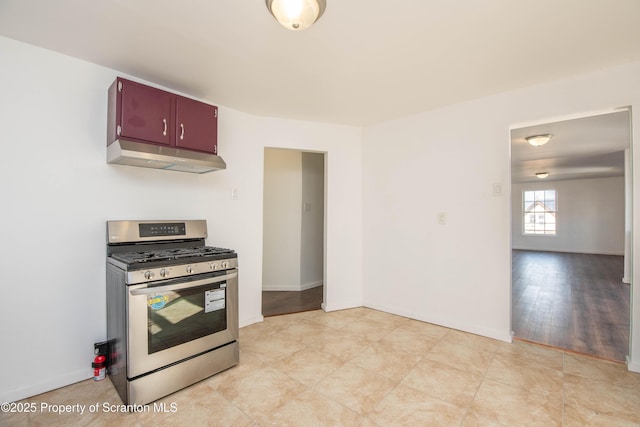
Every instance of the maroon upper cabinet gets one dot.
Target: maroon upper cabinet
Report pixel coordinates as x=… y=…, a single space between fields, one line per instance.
x=146 y=114
x=196 y=125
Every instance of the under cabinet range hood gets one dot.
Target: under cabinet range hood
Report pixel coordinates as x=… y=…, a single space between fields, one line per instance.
x=132 y=153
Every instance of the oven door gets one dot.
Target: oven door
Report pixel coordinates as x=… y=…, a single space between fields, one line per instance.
x=175 y=319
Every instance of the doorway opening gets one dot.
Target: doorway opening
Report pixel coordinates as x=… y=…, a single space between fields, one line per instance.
x=294 y=231
x=571 y=234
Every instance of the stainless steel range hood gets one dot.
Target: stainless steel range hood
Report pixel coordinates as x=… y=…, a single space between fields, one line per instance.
x=132 y=153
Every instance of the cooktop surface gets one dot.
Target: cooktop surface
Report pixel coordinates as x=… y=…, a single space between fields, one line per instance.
x=186 y=254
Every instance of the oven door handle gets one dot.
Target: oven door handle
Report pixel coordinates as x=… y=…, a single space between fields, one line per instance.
x=178 y=286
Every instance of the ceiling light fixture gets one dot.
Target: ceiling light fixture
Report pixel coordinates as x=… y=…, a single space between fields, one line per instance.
x=538 y=140
x=296 y=14
x=542 y=175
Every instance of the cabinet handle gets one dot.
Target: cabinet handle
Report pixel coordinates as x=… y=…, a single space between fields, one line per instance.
x=164 y=127
x=181 y=131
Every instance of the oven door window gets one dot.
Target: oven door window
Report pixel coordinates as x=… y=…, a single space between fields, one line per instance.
x=178 y=317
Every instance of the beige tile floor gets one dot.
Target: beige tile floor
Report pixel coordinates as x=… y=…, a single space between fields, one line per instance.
x=362 y=367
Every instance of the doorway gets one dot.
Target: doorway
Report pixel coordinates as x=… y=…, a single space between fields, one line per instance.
x=294 y=231
x=571 y=233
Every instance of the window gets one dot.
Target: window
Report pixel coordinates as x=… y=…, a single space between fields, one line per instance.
x=540 y=212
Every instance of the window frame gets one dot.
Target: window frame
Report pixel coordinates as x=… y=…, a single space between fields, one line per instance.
x=554 y=212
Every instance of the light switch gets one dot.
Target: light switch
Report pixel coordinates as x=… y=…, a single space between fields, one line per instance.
x=307 y=207
x=497 y=189
x=234 y=194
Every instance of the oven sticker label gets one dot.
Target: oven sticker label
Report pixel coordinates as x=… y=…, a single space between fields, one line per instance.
x=214 y=300
x=214 y=305
x=157 y=302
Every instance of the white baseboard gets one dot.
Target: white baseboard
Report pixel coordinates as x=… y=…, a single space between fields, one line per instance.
x=292 y=288
x=447 y=323
x=311 y=285
x=569 y=251
x=626 y=280
x=48 y=385
x=341 y=306
x=250 y=321
x=633 y=367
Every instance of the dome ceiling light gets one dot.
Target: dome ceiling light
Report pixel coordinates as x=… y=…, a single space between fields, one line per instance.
x=538 y=140
x=542 y=175
x=296 y=14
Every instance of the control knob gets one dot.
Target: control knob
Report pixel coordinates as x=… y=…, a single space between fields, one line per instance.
x=213 y=266
x=148 y=275
x=189 y=269
x=164 y=272
x=225 y=264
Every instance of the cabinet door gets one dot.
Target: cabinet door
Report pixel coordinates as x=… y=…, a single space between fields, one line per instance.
x=196 y=125
x=146 y=113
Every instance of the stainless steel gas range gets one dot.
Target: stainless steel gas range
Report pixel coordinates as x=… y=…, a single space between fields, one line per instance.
x=172 y=307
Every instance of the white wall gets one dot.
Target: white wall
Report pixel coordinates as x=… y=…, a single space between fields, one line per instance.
x=282 y=220
x=590 y=217
x=57 y=193
x=447 y=160
x=312 y=235
x=443 y=161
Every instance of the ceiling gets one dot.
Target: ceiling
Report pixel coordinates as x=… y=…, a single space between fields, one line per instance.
x=363 y=62
x=588 y=147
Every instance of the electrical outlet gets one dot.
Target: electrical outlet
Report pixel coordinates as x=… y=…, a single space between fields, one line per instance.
x=442 y=218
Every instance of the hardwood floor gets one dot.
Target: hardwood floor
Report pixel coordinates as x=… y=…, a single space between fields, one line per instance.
x=572 y=301
x=275 y=303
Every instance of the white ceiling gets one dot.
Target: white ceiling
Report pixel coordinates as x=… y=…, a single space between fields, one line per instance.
x=363 y=62
x=588 y=147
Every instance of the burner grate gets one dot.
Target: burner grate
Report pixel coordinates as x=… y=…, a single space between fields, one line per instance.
x=170 y=254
